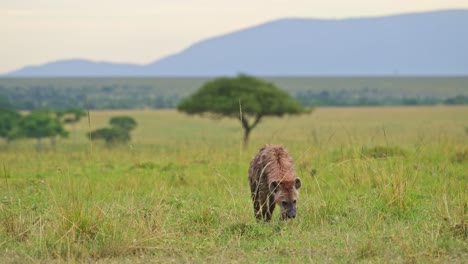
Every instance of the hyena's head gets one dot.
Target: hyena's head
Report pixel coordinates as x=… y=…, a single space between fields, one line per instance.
x=285 y=194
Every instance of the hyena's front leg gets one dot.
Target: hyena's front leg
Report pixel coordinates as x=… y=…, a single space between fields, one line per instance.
x=268 y=208
x=266 y=213
x=255 y=199
x=258 y=209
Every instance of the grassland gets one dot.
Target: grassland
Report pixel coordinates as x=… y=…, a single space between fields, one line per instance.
x=380 y=185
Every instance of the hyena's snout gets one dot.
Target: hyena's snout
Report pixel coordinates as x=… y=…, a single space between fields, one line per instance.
x=288 y=210
x=291 y=214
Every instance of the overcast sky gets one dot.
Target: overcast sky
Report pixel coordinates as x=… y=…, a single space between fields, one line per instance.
x=140 y=31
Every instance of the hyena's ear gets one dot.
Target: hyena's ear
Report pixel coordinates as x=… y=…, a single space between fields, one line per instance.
x=298 y=183
x=274 y=186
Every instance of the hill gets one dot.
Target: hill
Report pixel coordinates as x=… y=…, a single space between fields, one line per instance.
x=431 y=43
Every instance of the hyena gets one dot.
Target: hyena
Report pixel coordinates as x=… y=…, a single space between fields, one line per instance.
x=273 y=182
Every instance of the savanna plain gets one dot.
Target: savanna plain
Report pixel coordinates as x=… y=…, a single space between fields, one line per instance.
x=379 y=185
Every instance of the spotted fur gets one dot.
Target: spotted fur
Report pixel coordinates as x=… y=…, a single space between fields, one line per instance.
x=273 y=182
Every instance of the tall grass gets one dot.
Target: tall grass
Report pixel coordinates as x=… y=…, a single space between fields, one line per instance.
x=379 y=185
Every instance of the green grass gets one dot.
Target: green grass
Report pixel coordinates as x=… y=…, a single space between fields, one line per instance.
x=379 y=185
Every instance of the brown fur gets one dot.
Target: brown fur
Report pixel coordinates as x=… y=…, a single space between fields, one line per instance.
x=273 y=182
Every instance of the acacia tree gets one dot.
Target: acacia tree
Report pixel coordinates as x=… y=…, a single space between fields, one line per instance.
x=125 y=123
x=41 y=124
x=8 y=123
x=118 y=132
x=71 y=116
x=246 y=98
x=110 y=135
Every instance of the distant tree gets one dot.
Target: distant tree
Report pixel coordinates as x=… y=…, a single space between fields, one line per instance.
x=457 y=100
x=71 y=116
x=5 y=103
x=243 y=97
x=118 y=132
x=8 y=124
x=39 y=125
x=123 y=122
x=110 y=135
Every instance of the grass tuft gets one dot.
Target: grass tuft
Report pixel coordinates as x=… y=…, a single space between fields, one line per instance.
x=382 y=152
x=460 y=156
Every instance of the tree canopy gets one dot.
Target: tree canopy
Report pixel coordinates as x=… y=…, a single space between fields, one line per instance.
x=5 y=104
x=123 y=122
x=8 y=121
x=110 y=135
x=118 y=132
x=244 y=97
x=71 y=115
x=41 y=124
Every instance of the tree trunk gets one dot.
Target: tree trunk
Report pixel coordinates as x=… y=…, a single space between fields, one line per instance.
x=246 y=136
x=247 y=127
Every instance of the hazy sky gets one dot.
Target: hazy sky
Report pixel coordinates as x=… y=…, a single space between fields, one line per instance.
x=141 y=31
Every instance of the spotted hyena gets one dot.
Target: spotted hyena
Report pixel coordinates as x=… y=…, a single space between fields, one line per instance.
x=273 y=182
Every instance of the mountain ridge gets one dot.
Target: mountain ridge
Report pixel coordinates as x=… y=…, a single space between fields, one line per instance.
x=424 y=43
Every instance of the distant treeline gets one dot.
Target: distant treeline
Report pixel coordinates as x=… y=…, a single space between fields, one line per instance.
x=159 y=93
x=366 y=98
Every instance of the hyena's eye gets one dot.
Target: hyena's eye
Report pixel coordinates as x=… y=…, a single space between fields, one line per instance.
x=284 y=203
x=294 y=202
